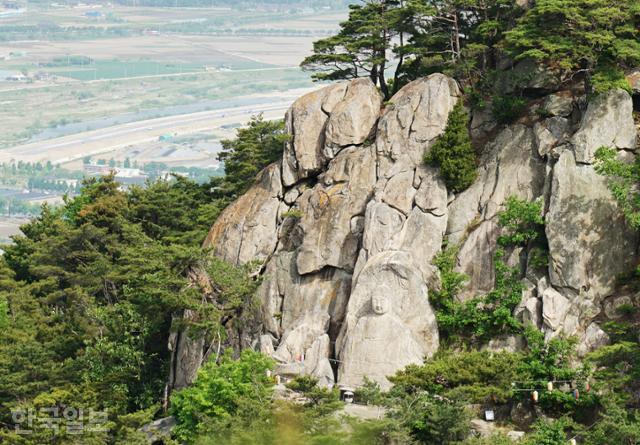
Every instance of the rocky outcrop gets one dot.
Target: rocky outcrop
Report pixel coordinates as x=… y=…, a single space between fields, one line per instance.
x=324 y=122
x=608 y=122
x=340 y=196
x=389 y=322
x=346 y=276
x=245 y=230
x=413 y=121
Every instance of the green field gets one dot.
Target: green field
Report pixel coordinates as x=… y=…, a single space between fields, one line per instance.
x=122 y=69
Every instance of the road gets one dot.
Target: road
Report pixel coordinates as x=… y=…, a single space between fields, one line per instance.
x=68 y=81
x=74 y=147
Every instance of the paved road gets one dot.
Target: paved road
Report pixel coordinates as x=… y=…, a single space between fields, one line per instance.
x=77 y=146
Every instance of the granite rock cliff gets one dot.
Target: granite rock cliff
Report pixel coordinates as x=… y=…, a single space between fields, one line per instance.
x=347 y=274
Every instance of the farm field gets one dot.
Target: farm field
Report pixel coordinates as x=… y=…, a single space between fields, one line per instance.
x=126 y=140
x=143 y=63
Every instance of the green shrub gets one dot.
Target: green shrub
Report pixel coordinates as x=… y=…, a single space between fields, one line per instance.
x=507 y=109
x=369 y=393
x=453 y=153
x=554 y=360
x=521 y=221
x=609 y=78
x=466 y=376
x=616 y=426
x=623 y=179
x=220 y=391
x=432 y=420
x=324 y=401
x=488 y=316
x=494 y=439
x=549 y=432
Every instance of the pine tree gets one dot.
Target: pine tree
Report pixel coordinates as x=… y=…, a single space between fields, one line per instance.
x=256 y=146
x=362 y=47
x=580 y=37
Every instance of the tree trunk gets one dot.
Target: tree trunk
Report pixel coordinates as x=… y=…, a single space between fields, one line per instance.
x=383 y=84
x=396 y=75
x=373 y=74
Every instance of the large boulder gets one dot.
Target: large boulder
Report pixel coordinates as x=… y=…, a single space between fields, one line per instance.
x=247 y=229
x=353 y=119
x=608 y=122
x=325 y=121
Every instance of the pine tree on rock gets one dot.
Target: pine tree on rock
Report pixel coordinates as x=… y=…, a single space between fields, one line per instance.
x=453 y=152
x=580 y=37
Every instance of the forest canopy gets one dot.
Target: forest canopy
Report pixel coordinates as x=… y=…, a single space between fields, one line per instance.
x=396 y=41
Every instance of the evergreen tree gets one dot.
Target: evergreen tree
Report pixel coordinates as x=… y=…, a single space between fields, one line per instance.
x=453 y=152
x=256 y=146
x=580 y=37
x=362 y=47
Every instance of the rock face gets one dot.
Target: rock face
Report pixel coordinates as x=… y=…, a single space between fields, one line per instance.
x=244 y=232
x=346 y=278
x=608 y=122
x=389 y=322
x=324 y=122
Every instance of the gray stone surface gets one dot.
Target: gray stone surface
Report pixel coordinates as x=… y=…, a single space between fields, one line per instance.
x=412 y=122
x=328 y=208
x=353 y=119
x=305 y=122
x=247 y=229
x=608 y=122
x=589 y=241
x=389 y=322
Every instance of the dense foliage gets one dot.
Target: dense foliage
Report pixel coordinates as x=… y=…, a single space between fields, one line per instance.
x=256 y=146
x=453 y=154
x=88 y=293
x=481 y=318
x=580 y=37
x=592 y=40
x=623 y=178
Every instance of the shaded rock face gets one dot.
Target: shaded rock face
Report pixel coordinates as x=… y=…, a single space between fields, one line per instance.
x=345 y=285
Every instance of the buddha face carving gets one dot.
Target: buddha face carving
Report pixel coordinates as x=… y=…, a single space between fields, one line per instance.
x=379 y=302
